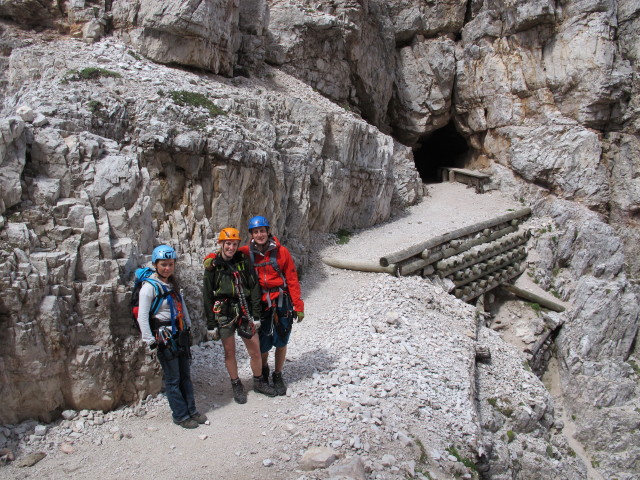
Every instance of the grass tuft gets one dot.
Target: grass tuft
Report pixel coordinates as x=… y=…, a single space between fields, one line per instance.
x=343 y=236
x=185 y=98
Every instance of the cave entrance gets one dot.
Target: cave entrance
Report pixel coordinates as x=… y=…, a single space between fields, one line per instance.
x=444 y=147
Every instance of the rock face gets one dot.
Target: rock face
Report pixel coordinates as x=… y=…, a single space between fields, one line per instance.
x=127 y=160
x=194 y=33
x=99 y=165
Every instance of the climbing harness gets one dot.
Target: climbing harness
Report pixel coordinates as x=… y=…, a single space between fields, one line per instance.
x=246 y=327
x=172 y=337
x=231 y=308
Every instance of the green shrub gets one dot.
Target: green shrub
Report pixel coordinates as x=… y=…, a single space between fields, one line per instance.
x=549 y=451
x=94 y=106
x=535 y=307
x=465 y=461
x=343 y=236
x=91 y=73
x=194 y=99
x=134 y=55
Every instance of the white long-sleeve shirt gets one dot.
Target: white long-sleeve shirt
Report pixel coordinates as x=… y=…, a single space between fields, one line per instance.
x=147 y=294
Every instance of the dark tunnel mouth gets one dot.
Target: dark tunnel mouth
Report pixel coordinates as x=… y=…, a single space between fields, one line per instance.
x=444 y=147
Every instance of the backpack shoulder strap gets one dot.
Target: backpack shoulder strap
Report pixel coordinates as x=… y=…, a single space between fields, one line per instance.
x=276 y=267
x=161 y=292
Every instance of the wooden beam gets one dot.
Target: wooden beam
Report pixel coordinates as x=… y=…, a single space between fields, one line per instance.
x=360 y=266
x=533 y=297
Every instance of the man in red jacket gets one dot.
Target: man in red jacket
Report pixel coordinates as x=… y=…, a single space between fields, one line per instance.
x=280 y=295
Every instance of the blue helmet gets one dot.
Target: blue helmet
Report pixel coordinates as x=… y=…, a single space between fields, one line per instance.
x=163 y=252
x=258 y=221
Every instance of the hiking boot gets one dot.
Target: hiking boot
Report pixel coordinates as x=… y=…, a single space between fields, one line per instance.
x=278 y=384
x=187 y=423
x=239 y=395
x=260 y=386
x=265 y=374
x=199 y=417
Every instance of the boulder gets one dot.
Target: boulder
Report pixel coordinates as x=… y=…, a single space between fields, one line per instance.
x=200 y=34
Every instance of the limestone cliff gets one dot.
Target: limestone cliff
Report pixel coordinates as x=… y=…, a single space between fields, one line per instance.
x=125 y=124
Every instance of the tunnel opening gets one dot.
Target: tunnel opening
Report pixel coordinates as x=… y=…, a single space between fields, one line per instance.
x=444 y=147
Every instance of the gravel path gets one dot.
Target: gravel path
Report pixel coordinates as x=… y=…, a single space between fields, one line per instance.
x=449 y=206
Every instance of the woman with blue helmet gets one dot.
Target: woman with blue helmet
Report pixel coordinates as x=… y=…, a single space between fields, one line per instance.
x=282 y=302
x=168 y=330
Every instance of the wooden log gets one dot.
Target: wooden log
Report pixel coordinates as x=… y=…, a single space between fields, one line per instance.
x=538 y=345
x=433 y=258
x=541 y=341
x=428 y=270
x=411 y=266
x=360 y=266
x=493 y=281
x=450 y=252
x=486 y=253
x=533 y=297
x=418 y=248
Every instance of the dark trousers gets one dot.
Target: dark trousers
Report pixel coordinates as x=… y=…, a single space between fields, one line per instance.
x=272 y=335
x=177 y=384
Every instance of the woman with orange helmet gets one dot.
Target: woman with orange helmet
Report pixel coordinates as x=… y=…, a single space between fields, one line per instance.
x=231 y=302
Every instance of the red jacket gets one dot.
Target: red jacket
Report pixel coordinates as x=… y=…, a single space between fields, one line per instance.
x=269 y=277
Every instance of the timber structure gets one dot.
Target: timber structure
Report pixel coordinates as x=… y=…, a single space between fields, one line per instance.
x=468 y=177
x=474 y=259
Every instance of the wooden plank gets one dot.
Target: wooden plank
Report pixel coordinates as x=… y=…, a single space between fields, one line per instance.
x=470 y=173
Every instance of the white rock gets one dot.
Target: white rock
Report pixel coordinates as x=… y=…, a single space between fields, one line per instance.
x=69 y=414
x=26 y=113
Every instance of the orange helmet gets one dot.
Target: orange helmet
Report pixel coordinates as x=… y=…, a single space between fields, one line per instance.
x=229 y=234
